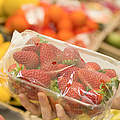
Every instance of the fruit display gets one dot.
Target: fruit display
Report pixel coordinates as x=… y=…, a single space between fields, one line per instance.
x=55 y=21
x=82 y=81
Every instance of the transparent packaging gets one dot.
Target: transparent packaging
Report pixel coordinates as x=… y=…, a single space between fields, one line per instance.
x=84 y=82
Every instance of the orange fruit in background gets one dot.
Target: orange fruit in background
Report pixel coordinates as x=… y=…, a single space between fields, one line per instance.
x=84 y=29
x=78 y=18
x=17 y=22
x=80 y=43
x=65 y=24
x=55 y=12
x=65 y=35
x=92 y=25
x=48 y=32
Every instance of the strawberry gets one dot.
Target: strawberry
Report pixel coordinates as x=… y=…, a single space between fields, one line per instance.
x=1 y=117
x=71 y=56
x=35 y=76
x=109 y=72
x=92 y=66
x=92 y=78
x=92 y=97
x=35 y=41
x=75 y=91
x=49 y=53
x=28 y=58
x=67 y=76
x=52 y=68
x=16 y=67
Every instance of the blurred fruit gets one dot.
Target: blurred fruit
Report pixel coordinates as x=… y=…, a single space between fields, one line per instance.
x=1 y=9
x=91 y=24
x=55 y=13
x=16 y=22
x=116 y=114
x=1 y=39
x=80 y=43
x=65 y=35
x=114 y=39
x=64 y=24
x=49 y=32
x=84 y=29
x=10 y=6
x=3 y=48
x=5 y=94
x=78 y=18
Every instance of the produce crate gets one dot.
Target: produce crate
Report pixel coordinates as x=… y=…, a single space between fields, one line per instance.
x=110 y=50
x=98 y=38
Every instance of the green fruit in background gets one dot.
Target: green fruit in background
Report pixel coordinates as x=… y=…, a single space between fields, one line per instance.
x=10 y=6
x=114 y=39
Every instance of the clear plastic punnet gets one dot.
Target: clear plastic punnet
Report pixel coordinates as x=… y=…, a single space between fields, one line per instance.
x=84 y=82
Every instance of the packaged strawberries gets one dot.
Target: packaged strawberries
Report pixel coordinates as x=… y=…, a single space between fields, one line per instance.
x=84 y=82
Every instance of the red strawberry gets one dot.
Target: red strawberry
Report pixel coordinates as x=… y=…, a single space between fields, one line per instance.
x=16 y=67
x=28 y=58
x=109 y=72
x=92 y=66
x=1 y=117
x=75 y=91
x=35 y=76
x=92 y=97
x=35 y=41
x=92 y=78
x=69 y=74
x=49 y=53
x=52 y=68
x=71 y=56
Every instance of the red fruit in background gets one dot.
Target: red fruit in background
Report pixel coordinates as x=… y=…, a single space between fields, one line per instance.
x=48 y=32
x=84 y=29
x=65 y=24
x=49 y=53
x=92 y=78
x=93 y=97
x=78 y=18
x=109 y=72
x=16 y=22
x=79 y=43
x=35 y=41
x=28 y=58
x=92 y=66
x=65 y=35
x=36 y=76
x=71 y=56
x=92 y=25
x=55 y=12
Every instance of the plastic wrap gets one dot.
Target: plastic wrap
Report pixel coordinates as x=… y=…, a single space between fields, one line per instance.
x=82 y=81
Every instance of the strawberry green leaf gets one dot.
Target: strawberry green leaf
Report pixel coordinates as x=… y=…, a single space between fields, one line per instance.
x=102 y=71
x=54 y=86
x=70 y=62
x=88 y=89
x=42 y=39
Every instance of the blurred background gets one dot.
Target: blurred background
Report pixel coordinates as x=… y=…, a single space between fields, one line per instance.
x=92 y=24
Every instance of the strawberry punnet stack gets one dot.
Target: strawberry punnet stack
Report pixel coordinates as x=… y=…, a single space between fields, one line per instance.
x=43 y=65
